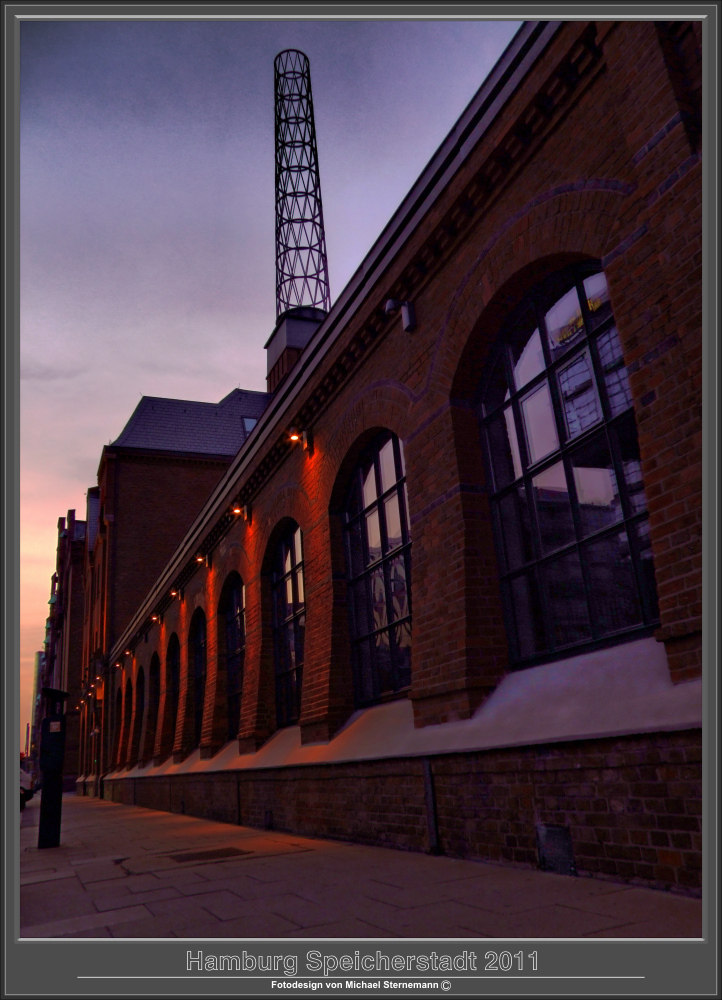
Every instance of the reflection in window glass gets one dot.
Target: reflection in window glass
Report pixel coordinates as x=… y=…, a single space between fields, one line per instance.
x=596 y=486
x=567 y=602
x=579 y=398
x=570 y=517
x=541 y=431
x=377 y=520
x=530 y=362
x=615 y=374
x=597 y=296
x=616 y=602
x=553 y=508
x=564 y=323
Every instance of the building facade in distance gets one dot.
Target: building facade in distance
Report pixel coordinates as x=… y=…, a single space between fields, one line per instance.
x=447 y=596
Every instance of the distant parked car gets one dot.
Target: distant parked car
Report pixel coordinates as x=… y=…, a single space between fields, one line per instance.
x=26 y=788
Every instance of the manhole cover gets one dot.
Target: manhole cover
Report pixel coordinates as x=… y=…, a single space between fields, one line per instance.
x=214 y=855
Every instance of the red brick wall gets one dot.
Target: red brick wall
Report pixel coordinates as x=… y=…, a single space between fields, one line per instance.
x=632 y=804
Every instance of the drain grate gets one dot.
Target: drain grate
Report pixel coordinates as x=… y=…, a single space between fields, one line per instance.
x=213 y=855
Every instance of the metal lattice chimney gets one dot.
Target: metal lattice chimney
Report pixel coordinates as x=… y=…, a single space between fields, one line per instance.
x=301 y=266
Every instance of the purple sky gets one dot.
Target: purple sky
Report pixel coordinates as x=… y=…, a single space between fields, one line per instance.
x=147 y=226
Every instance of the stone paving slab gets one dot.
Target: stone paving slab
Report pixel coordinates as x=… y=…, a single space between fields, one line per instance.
x=114 y=876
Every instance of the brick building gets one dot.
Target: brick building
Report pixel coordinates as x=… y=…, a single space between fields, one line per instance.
x=447 y=596
x=152 y=481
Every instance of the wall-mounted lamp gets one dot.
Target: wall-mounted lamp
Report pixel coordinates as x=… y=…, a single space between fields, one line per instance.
x=154 y=618
x=174 y=593
x=408 y=313
x=236 y=509
x=294 y=434
x=128 y=652
x=307 y=439
x=200 y=558
x=246 y=512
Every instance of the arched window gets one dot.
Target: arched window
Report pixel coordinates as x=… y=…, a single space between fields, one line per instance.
x=232 y=619
x=173 y=682
x=289 y=624
x=567 y=498
x=378 y=561
x=197 y=652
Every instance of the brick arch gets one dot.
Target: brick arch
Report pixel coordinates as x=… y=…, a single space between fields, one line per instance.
x=383 y=405
x=553 y=230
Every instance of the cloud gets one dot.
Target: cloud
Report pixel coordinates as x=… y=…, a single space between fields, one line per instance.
x=37 y=371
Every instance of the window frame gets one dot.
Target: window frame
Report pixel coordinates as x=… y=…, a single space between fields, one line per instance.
x=356 y=512
x=613 y=430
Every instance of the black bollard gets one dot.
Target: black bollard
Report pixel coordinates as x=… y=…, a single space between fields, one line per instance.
x=52 y=755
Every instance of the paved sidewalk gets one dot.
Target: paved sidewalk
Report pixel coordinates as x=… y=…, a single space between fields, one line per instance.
x=127 y=872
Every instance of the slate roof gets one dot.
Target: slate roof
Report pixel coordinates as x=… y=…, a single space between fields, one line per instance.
x=186 y=425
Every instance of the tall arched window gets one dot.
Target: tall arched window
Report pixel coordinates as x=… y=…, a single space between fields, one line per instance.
x=567 y=498
x=289 y=624
x=173 y=682
x=378 y=560
x=197 y=652
x=232 y=619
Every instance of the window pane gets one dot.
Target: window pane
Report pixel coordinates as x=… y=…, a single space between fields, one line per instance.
x=402 y=635
x=289 y=598
x=564 y=323
x=497 y=389
x=364 y=672
x=530 y=362
x=554 y=511
x=631 y=465
x=504 y=449
x=373 y=535
x=615 y=604
x=597 y=295
x=616 y=381
x=286 y=558
x=298 y=545
x=397 y=584
x=382 y=657
x=541 y=432
x=644 y=545
x=567 y=602
x=363 y=622
x=378 y=597
x=355 y=548
x=299 y=585
x=369 y=485
x=579 y=397
x=515 y=528
x=528 y=614
x=393 y=521
x=596 y=485
x=300 y=639
x=387 y=466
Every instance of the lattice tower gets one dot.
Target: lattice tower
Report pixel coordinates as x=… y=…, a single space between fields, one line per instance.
x=301 y=265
